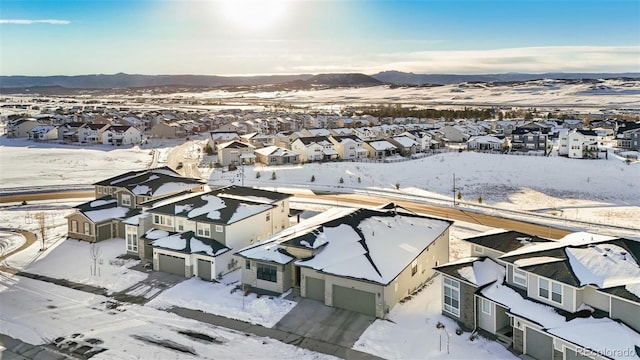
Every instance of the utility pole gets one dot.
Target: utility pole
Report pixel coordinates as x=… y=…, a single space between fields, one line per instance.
x=242 y=172
x=454 y=189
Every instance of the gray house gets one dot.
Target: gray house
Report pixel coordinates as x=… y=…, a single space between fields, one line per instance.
x=576 y=298
x=363 y=260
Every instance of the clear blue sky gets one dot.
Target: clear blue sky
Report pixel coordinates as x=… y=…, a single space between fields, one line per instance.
x=242 y=37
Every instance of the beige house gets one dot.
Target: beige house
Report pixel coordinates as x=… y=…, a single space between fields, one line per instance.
x=361 y=260
x=20 y=128
x=168 y=130
x=235 y=152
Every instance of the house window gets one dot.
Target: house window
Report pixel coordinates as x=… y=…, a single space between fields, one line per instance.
x=451 y=297
x=268 y=216
x=543 y=288
x=218 y=228
x=247 y=264
x=87 y=228
x=126 y=200
x=519 y=277
x=478 y=249
x=556 y=292
x=486 y=306
x=180 y=224
x=132 y=242
x=162 y=220
x=74 y=226
x=414 y=267
x=204 y=230
x=267 y=272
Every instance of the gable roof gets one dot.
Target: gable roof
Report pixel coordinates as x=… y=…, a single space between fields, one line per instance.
x=185 y=242
x=210 y=208
x=251 y=194
x=603 y=263
x=154 y=182
x=505 y=241
x=477 y=271
x=105 y=208
x=275 y=151
x=235 y=145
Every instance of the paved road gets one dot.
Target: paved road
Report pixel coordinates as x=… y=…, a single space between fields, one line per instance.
x=359 y=200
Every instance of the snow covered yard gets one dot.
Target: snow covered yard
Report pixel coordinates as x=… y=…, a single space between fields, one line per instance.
x=72 y=260
x=225 y=300
x=40 y=313
x=411 y=333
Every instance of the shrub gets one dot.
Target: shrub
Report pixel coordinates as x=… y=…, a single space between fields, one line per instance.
x=397 y=186
x=459 y=195
x=273 y=176
x=341 y=181
x=258 y=175
x=359 y=180
x=313 y=178
x=479 y=199
x=459 y=331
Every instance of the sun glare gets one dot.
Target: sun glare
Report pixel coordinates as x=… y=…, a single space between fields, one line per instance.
x=253 y=14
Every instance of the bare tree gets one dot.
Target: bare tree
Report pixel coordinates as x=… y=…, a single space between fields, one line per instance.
x=94 y=251
x=42 y=226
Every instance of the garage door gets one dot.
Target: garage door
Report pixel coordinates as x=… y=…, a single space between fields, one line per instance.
x=539 y=345
x=354 y=300
x=315 y=288
x=171 y=264
x=204 y=269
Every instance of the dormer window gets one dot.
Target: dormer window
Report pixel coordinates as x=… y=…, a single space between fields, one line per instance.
x=126 y=200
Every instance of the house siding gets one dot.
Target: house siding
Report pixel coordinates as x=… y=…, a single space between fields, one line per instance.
x=589 y=295
x=244 y=232
x=80 y=235
x=568 y=302
x=467 y=309
x=485 y=252
x=627 y=312
x=486 y=321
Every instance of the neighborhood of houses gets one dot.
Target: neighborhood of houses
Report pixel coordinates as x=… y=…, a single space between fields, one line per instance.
x=573 y=298
x=276 y=137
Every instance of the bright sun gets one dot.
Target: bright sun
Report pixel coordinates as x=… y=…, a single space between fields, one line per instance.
x=253 y=14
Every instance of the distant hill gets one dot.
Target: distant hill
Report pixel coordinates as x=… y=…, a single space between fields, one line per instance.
x=343 y=80
x=403 y=78
x=122 y=80
x=128 y=81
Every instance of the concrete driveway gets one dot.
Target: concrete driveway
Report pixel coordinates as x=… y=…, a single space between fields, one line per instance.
x=313 y=319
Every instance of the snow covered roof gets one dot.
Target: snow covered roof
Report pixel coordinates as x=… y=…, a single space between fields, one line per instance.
x=505 y=241
x=251 y=194
x=153 y=183
x=405 y=141
x=477 y=271
x=185 y=242
x=603 y=264
x=275 y=151
x=105 y=208
x=598 y=334
x=484 y=139
x=211 y=208
x=381 y=145
x=372 y=245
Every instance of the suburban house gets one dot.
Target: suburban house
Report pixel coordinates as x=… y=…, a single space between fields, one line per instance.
x=486 y=142
x=121 y=135
x=314 y=148
x=380 y=149
x=524 y=139
x=43 y=133
x=576 y=298
x=406 y=145
x=235 y=152
x=455 y=133
x=168 y=130
x=195 y=233
x=19 y=128
x=216 y=138
x=348 y=146
x=363 y=260
x=92 y=133
x=629 y=139
x=274 y=155
x=69 y=132
x=578 y=144
x=120 y=197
